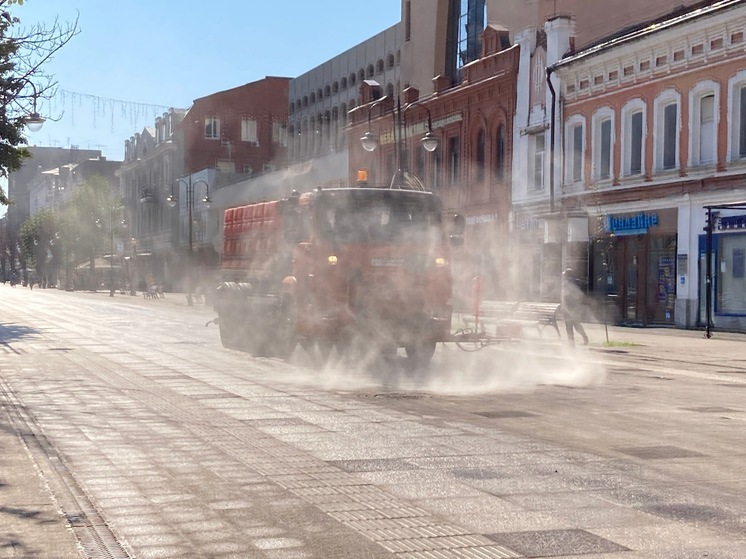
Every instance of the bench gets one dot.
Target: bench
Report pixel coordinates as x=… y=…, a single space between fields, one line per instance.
x=538 y=314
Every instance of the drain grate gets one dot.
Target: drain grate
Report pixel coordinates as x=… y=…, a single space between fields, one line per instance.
x=505 y=414
x=659 y=452
x=372 y=465
x=712 y=409
x=475 y=473
x=552 y=543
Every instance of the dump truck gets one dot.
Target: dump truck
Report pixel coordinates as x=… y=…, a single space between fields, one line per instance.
x=359 y=269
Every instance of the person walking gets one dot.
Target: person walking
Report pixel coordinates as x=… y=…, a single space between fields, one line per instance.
x=572 y=298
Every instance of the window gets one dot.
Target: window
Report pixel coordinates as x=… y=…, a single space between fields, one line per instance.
x=379 y=66
x=212 y=128
x=670 y=115
x=633 y=137
x=536 y=171
x=500 y=153
x=249 y=131
x=480 y=156
x=407 y=20
x=736 y=119
x=635 y=143
x=742 y=123
x=466 y=24
x=575 y=142
x=603 y=133
x=279 y=133
x=703 y=111
x=390 y=61
x=454 y=159
x=667 y=127
x=371 y=70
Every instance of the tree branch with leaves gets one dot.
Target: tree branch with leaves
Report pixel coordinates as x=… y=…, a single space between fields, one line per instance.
x=23 y=53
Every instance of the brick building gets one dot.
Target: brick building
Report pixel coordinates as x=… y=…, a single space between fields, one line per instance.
x=653 y=131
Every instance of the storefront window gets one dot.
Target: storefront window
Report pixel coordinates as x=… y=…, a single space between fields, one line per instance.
x=730 y=270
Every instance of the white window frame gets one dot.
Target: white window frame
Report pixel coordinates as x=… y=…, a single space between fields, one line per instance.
x=279 y=133
x=734 y=113
x=570 y=124
x=696 y=94
x=212 y=128
x=665 y=98
x=630 y=108
x=533 y=163
x=599 y=117
x=250 y=131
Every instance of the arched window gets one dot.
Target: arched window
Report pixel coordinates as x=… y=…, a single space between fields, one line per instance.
x=343 y=114
x=353 y=79
x=379 y=66
x=371 y=70
x=361 y=75
x=313 y=98
x=500 y=152
x=319 y=94
x=327 y=91
x=390 y=61
x=305 y=100
x=480 y=155
x=390 y=90
x=335 y=87
x=343 y=83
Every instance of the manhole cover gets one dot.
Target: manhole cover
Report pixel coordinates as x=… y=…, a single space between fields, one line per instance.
x=687 y=512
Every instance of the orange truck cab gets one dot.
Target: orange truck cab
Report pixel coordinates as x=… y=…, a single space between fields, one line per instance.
x=359 y=269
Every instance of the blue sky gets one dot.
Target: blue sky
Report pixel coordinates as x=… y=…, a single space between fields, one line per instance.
x=166 y=53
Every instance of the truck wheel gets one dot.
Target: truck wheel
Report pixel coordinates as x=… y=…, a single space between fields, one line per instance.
x=284 y=339
x=420 y=353
x=228 y=334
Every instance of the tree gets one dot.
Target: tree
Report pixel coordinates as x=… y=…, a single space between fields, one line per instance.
x=23 y=54
x=39 y=236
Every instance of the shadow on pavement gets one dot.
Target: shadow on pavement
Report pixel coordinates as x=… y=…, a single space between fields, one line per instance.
x=12 y=332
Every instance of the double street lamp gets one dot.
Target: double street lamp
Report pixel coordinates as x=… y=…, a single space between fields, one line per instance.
x=429 y=140
x=172 y=200
x=99 y=223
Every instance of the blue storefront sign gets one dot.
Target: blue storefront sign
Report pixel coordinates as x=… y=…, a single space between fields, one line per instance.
x=637 y=224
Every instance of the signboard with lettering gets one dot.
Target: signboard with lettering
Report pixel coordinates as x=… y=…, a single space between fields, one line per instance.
x=731 y=222
x=637 y=224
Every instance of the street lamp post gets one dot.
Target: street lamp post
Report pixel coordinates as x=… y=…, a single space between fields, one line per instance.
x=111 y=247
x=172 y=201
x=398 y=113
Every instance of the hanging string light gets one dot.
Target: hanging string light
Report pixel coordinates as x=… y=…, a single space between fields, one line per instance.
x=103 y=108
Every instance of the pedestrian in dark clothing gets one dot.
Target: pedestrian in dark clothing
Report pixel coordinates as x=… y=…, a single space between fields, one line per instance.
x=572 y=298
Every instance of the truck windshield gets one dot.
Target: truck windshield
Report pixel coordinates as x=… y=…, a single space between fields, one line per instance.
x=367 y=216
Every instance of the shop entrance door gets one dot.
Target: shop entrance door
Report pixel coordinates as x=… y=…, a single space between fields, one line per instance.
x=661 y=279
x=630 y=253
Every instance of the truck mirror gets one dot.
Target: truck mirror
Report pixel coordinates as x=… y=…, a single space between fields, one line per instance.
x=458 y=224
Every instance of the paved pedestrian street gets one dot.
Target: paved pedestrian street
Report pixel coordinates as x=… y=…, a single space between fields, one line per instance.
x=126 y=430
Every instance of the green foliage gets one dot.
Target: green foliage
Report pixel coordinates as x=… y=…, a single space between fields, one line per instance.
x=23 y=54
x=77 y=232
x=39 y=239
